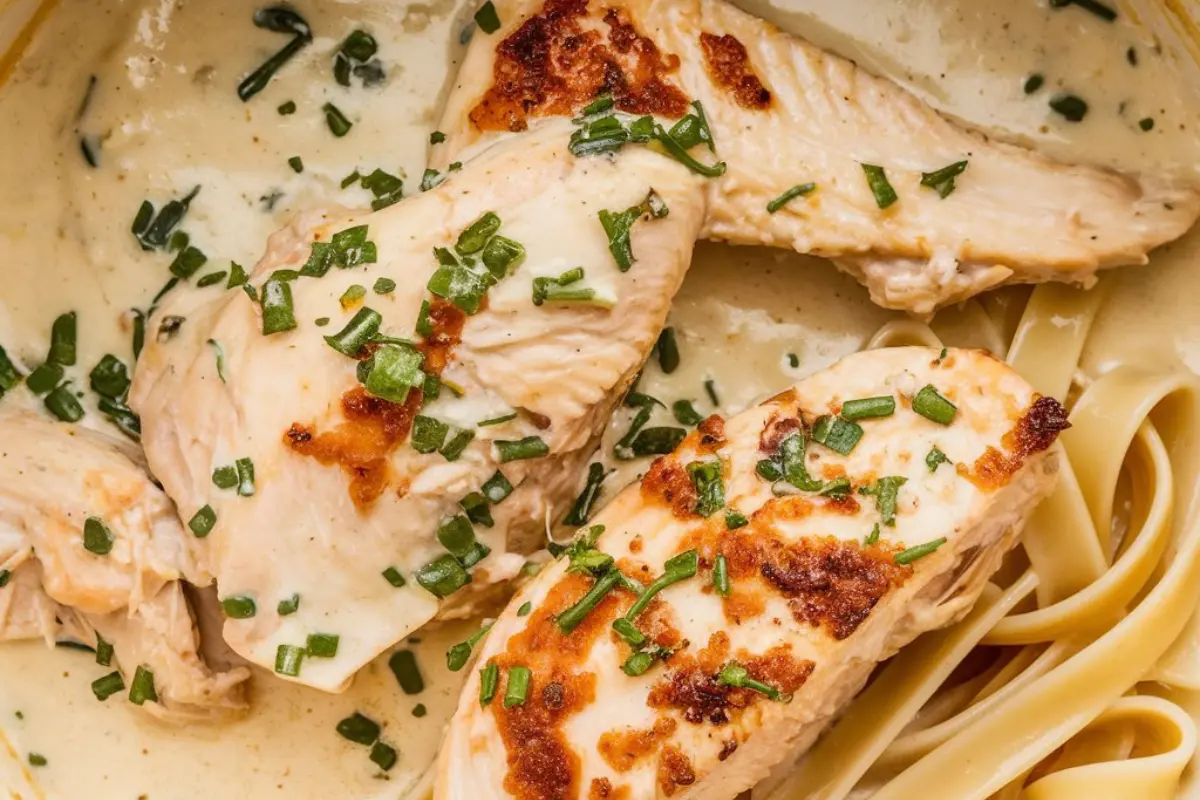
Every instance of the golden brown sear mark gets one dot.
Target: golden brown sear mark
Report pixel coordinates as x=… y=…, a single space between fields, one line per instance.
x=829 y=583
x=674 y=770
x=623 y=749
x=668 y=482
x=375 y=427
x=730 y=68
x=541 y=763
x=602 y=789
x=1035 y=431
x=691 y=687
x=555 y=63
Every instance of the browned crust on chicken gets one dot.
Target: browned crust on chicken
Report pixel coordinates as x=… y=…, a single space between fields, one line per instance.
x=668 y=482
x=623 y=749
x=730 y=68
x=375 y=427
x=691 y=686
x=775 y=430
x=602 y=789
x=1034 y=432
x=541 y=763
x=552 y=66
x=674 y=770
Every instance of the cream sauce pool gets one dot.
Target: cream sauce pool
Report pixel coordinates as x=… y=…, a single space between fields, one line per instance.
x=162 y=117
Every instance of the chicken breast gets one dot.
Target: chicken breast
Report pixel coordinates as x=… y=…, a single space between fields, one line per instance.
x=406 y=456
x=91 y=551
x=944 y=214
x=718 y=615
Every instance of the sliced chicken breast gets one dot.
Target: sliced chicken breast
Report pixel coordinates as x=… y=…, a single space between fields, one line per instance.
x=963 y=213
x=374 y=503
x=718 y=615
x=91 y=551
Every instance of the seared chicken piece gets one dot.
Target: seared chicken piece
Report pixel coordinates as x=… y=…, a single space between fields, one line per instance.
x=371 y=503
x=786 y=114
x=784 y=553
x=90 y=547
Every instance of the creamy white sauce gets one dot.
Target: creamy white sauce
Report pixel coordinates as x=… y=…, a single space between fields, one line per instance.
x=167 y=119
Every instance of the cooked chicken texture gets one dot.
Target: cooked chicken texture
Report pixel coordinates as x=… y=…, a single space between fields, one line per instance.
x=787 y=115
x=89 y=548
x=777 y=571
x=373 y=503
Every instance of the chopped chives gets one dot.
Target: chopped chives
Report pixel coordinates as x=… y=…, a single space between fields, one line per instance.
x=37 y=760
x=288 y=606
x=638 y=663
x=394 y=577
x=868 y=408
x=710 y=488
x=919 y=551
x=456 y=535
x=219 y=353
x=104 y=651
x=676 y=569
x=735 y=675
x=477 y=234
x=489 y=680
x=581 y=510
x=44 y=378
x=886 y=492
x=428 y=434
x=322 y=645
x=569 y=619
x=384 y=286
x=487 y=423
x=500 y=255
x=359 y=729
x=685 y=413
x=107 y=686
x=202 y=522
x=789 y=195
x=245 y=475
x=877 y=180
x=517 y=688
x=657 y=441
x=280 y=20
x=497 y=487
x=735 y=519
x=487 y=19
x=1146 y=123
x=392 y=371
x=384 y=756
x=1033 y=83
x=212 y=279
x=935 y=458
x=239 y=607
x=63 y=336
x=5 y=577
x=187 y=262
x=476 y=507
x=237 y=275
x=629 y=632
x=109 y=378
x=710 y=386
x=296 y=163
x=668 y=350
x=942 y=180
x=98 y=538
x=932 y=406
x=287 y=108
x=769 y=470
x=524 y=610
x=288 y=659
x=339 y=126
x=720 y=576
x=437 y=137
x=458 y=655
x=419 y=710
x=403 y=664
x=618 y=227
x=837 y=434
x=225 y=477
x=529 y=447
x=457 y=444
x=358 y=331
x=276 y=302
x=142 y=688
x=354 y=293
x=443 y=576
x=10 y=376
x=873 y=536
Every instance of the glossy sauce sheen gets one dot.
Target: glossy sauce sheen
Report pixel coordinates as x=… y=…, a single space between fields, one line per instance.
x=165 y=116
